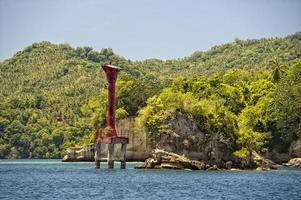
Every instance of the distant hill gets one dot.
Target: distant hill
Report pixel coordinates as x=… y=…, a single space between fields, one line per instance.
x=49 y=65
x=244 y=54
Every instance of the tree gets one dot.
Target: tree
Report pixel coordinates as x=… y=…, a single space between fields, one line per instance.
x=94 y=56
x=288 y=104
x=249 y=138
x=278 y=68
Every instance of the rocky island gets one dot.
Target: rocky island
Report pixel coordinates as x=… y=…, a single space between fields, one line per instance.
x=217 y=107
x=171 y=153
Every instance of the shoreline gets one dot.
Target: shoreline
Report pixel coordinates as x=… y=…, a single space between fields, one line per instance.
x=135 y=163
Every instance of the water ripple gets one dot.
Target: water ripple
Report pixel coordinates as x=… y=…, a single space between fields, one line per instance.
x=51 y=179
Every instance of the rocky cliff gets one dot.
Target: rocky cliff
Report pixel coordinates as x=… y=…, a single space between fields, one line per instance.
x=182 y=136
x=294 y=151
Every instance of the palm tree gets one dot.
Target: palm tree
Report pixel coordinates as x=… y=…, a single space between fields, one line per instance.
x=278 y=69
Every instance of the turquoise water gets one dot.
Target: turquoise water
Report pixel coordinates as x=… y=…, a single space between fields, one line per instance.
x=52 y=179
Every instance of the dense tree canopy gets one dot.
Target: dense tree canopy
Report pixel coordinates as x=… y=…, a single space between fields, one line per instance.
x=54 y=96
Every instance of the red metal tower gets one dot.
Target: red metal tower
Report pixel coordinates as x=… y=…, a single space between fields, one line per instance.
x=109 y=135
x=111 y=74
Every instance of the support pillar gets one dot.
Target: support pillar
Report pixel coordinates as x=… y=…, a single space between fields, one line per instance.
x=110 y=156
x=97 y=155
x=122 y=156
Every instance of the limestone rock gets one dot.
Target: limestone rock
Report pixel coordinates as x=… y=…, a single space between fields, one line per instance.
x=77 y=154
x=183 y=137
x=162 y=159
x=295 y=162
x=150 y=163
x=262 y=163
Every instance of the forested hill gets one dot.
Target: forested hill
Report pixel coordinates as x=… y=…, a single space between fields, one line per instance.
x=52 y=96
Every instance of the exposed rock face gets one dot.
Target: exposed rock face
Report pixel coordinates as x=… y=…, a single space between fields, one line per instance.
x=183 y=137
x=295 y=162
x=295 y=149
x=278 y=157
x=193 y=149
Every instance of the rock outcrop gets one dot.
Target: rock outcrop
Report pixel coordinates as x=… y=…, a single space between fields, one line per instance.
x=295 y=162
x=79 y=154
x=183 y=137
x=167 y=160
x=162 y=159
x=262 y=163
x=182 y=145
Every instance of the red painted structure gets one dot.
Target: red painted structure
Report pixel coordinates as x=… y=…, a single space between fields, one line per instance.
x=109 y=134
x=111 y=74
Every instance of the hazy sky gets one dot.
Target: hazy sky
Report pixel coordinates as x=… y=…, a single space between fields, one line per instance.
x=139 y=29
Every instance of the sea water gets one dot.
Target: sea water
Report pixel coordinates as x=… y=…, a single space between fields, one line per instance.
x=52 y=179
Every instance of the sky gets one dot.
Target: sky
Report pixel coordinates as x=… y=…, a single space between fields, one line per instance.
x=141 y=29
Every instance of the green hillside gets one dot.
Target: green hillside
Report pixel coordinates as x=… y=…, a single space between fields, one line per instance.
x=53 y=96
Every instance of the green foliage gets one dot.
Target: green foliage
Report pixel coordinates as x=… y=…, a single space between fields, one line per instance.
x=121 y=113
x=210 y=115
x=248 y=137
x=133 y=93
x=52 y=96
x=288 y=106
x=242 y=153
